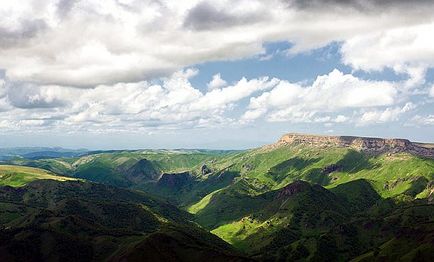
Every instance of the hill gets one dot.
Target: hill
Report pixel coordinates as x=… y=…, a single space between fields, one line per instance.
x=38 y=153
x=20 y=175
x=294 y=199
x=49 y=220
x=130 y=169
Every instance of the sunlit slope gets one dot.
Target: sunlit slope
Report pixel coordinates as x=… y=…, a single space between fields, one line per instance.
x=48 y=220
x=17 y=176
x=309 y=222
x=127 y=168
x=261 y=170
x=268 y=212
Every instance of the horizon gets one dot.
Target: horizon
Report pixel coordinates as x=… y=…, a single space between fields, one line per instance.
x=207 y=149
x=206 y=74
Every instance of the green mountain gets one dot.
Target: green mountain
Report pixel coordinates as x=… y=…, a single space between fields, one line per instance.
x=21 y=175
x=47 y=220
x=306 y=197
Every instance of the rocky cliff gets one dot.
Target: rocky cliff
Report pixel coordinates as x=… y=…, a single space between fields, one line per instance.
x=371 y=145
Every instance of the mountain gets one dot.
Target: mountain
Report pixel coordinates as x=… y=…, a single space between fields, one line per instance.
x=48 y=220
x=305 y=197
x=21 y=175
x=125 y=168
x=38 y=152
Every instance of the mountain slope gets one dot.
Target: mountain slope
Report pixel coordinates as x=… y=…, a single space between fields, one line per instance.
x=303 y=198
x=70 y=221
x=131 y=169
x=21 y=175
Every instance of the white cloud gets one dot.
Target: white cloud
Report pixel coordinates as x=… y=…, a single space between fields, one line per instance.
x=431 y=92
x=174 y=103
x=341 y=119
x=87 y=43
x=383 y=116
x=329 y=93
x=216 y=82
x=405 y=49
x=423 y=120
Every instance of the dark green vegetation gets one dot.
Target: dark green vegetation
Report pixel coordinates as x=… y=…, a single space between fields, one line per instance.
x=48 y=220
x=311 y=201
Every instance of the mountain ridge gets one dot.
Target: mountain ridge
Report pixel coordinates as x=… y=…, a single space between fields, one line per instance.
x=372 y=145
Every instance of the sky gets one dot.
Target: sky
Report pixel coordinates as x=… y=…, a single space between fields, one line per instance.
x=127 y=74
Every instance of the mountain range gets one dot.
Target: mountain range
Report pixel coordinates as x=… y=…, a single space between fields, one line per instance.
x=303 y=198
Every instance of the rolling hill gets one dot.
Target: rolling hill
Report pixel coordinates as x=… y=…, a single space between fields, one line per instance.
x=48 y=220
x=305 y=197
x=21 y=175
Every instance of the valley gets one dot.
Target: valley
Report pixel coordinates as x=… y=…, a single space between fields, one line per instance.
x=305 y=197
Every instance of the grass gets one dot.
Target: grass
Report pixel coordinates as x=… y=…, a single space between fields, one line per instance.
x=17 y=176
x=236 y=232
x=193 y=209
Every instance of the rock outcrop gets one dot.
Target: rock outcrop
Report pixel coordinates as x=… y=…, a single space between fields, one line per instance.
x=205 y=170
x=174 y=181
x=370 y=145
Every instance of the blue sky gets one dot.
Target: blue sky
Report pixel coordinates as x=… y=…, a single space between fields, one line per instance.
x=203 y=74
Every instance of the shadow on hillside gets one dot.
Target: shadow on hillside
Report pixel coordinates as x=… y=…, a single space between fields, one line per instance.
x=360 y=194
x=280 y=171
x=228 y=205
x=317 y=176
x=354 y=161
x=417 y=185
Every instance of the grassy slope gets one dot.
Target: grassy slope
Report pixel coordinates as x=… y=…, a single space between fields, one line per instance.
x=17 y=176
x=69 y=221
x=110 y=168
x=232 y=213
x=391 y=175
x=230 y=202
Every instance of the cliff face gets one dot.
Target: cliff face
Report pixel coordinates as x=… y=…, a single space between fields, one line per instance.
x=366 y=144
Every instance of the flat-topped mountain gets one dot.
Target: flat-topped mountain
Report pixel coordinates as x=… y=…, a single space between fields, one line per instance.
x=372 y=145
x=305 y=198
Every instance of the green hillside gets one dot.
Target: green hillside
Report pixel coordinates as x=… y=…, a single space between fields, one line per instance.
x=20 y=175
x=79 y=221
x=315 y=199
x=126 y=168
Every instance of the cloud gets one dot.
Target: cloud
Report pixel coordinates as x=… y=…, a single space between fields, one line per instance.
x=173 y=104
x=86 y=43
x=423 y=120
x=366 y=5
x=333 y=92
x=207 y=16
x=431 y=92
x=384 y=116
x=406 y=50
x=216 y=82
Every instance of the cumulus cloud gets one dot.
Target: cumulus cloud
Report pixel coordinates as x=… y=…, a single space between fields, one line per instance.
x=120 y=64
x=216 y=82
x=89 y=43
x=406 y=50
x=333 y=92
x=423 y=120
x=174 y=103
x=383 y=116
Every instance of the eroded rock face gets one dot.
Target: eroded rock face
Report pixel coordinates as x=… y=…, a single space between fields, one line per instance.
x=177 y=180
x=366 y=144
x=205 y=170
